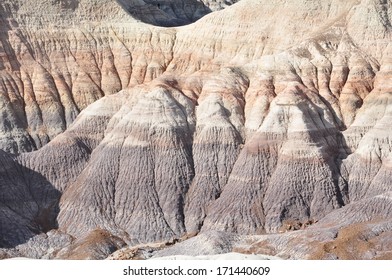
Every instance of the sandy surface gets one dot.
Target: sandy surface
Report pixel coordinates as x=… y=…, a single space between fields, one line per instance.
x=229 y=256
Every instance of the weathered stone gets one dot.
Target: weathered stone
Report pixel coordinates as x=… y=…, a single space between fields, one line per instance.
x=252 y=117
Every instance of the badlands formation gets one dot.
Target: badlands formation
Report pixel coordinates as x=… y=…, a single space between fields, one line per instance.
x=156 y=128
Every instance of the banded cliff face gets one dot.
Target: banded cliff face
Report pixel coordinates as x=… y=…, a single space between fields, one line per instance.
x=264 y=112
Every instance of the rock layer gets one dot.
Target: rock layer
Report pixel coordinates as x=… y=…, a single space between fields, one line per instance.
x=264 y=113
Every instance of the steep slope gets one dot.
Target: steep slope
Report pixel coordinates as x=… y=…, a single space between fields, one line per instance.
x=264 y=113
x=171 y=13
x=343 y=234
x=57 y=57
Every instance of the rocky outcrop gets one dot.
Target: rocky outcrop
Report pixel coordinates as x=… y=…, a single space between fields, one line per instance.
x=28 y=203
x=251 y=117
x=170 y=13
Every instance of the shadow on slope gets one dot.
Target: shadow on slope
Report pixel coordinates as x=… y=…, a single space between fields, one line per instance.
x=28 y=203
x=164 y=12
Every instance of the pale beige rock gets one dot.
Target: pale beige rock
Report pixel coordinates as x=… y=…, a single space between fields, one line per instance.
x=261 y=113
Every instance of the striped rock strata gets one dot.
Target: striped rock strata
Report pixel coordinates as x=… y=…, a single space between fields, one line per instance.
x=259 y=114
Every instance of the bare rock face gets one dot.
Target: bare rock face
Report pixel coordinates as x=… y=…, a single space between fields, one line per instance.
x=172 y=13
x=164 y=12
x=264 y=114
x=28 y=203
x=93 y=246
x=60 y=56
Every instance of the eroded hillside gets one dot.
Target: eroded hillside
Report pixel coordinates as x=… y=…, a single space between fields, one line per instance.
x=264 y=114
